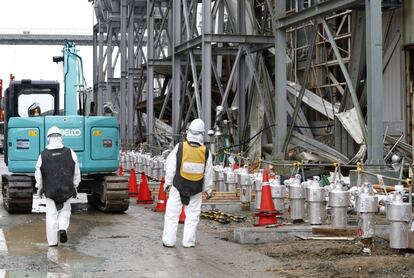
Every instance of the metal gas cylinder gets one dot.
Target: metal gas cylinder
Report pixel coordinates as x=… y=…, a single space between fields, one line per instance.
x=245 y=184
x=338 y=204
x=218 y=177
x=139 y=166
x=258 y=182
x=230 y=180
x=366 y=205
x=399 y=214
x=147 y=164
x=123 y=159
x=134 y=160
x=297 y=199
x=315 y=197
x=160 y=167
x=161 y=162
x=126 y=161
x=278 y=193
x=131 y=163
x=154 y=168
x=157 y=164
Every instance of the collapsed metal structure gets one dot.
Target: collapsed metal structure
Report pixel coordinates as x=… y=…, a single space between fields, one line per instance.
x=266 y=76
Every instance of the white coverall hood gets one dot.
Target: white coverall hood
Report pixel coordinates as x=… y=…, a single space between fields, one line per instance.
x=199 y=138
x=55 y=142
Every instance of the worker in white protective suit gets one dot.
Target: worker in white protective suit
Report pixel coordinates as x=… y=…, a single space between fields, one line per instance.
x=57 y=177
x=188 y=173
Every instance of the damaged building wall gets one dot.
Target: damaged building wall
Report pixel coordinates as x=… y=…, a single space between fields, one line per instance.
x=394 y=96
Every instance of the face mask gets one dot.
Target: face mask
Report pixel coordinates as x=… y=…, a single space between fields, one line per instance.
x=55 y=140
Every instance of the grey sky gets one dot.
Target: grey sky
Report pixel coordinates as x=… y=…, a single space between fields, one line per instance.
x=42 y=16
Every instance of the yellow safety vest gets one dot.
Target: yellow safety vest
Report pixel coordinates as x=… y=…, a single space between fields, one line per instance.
x=193 y=162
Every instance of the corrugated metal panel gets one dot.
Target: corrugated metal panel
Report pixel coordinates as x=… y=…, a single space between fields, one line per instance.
x=394 y=100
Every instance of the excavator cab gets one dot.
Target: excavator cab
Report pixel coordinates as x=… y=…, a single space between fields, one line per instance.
x=27 y=98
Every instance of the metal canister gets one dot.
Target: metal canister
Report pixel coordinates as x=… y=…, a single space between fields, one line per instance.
x=258 y=182
x=147 y=164
x=138 y=163
x=161 y=163
x=338 y=205
x=123 y=159
x=366 y=205
x=297 y=199
x=399 y=214
x=315 y=197
x=245 y=184
x=154 y=168
x=278 y=193
x=219 y=178
x=230 y=180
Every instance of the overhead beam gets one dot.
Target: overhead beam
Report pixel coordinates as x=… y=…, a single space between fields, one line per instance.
x=32 y=39
x=317 y=10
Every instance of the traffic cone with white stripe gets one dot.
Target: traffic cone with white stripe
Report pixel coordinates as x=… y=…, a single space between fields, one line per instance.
x=267 y=213
x=162 y=198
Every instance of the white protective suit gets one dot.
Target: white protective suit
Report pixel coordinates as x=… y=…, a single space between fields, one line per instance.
x=56 y=220
x=174 y=205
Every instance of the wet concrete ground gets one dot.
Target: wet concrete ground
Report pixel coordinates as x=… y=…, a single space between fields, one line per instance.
x=119 y=245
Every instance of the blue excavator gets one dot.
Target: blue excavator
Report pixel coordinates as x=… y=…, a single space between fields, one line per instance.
x=31 y=108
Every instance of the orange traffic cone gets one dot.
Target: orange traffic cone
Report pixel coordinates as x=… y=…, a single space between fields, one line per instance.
x=133 y=187
x=162 y=198
x=267 y=214
x=144 y=194
x=235 y=166
x=121 y=170
x=182 y=216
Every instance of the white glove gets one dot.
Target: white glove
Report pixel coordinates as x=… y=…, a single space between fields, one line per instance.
x=209 y=194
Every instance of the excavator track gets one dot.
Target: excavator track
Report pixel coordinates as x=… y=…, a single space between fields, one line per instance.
x=17 y=193
x=114 y=194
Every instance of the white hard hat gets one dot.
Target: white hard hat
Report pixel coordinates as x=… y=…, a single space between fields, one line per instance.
x=54 y=130
x=197 y=126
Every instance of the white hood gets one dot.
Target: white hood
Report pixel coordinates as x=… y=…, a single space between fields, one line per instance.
x=55 y=143
x=195 y=138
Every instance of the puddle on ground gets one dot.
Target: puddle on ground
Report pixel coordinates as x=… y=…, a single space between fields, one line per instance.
x=30 y=240
x=31 y=274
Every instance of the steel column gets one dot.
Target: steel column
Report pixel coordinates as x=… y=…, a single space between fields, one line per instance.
x=375 y=101
x=280 y=85
x=241 y=69
x=176 y=70
x=206 y=67
x=123 y=48
x=150 y=73
x=131 y=67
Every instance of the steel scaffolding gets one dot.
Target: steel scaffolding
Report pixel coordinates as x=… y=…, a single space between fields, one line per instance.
x=247 y=68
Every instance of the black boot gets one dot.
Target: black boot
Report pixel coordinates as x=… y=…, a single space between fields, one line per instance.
x=63 y=236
